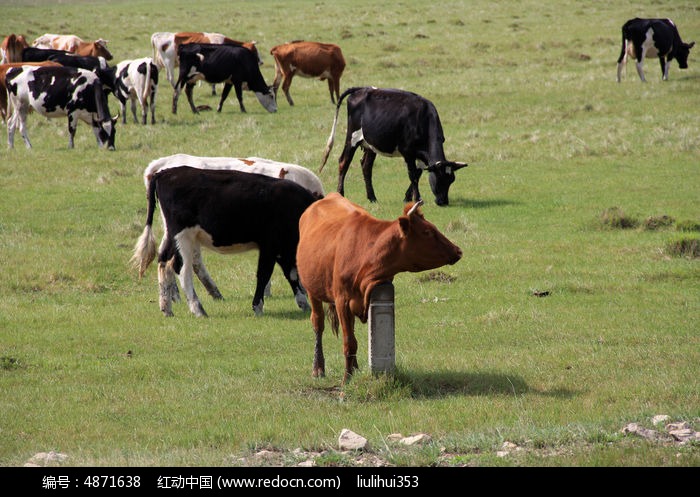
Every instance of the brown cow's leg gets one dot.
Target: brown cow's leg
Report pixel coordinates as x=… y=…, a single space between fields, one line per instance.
x=347 y=322
x=285 y=87
x=317 y=323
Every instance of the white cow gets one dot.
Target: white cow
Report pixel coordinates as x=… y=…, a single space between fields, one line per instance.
x=137 y=81
x=255 y=165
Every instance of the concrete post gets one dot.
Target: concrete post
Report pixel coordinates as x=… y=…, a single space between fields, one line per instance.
x=380 y=329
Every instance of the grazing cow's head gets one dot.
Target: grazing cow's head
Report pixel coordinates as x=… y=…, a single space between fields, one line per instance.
x=267 y=100
x=682 y=54
x=105 y=131
x=441 y=176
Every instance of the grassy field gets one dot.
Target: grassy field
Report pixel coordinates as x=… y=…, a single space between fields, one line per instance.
x=561 y=156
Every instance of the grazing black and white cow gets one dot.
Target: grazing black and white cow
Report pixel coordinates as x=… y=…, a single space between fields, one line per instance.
x=643 y=38
x=228 y=212
x=229 y=64
x=394 y=123
x=137 y=80
x=58 y=91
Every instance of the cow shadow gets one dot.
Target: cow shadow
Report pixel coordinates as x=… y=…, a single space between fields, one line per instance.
x=439 y=384
x=479 y=204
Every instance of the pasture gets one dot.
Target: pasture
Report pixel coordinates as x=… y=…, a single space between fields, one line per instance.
x=573 y=312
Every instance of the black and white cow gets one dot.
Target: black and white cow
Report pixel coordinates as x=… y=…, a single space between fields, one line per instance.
x=228 y=212
x=253 y=165
x=58 y=91
x=229 y=64
x=394 y=123
x=643 y=38
x=137 y=80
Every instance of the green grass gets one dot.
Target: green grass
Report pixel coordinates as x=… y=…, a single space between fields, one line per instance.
x=557 y=149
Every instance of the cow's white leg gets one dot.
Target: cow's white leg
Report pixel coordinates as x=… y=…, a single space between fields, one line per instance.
x=640 y=71
x=201 y=271
x=186 y=248
x=165 y=283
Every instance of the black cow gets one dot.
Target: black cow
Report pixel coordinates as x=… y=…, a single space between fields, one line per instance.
x=57 y=91
x=226 y=211
x=394 y=122
x=98 y=65
x=652 y=37
x=229 y=64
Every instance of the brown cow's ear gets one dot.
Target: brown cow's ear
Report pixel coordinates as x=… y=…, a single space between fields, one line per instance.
x=404 y=226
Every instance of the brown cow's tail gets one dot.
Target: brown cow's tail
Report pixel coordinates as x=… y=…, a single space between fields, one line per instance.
x=333 y=318
x=145 y=248
x=329 y=144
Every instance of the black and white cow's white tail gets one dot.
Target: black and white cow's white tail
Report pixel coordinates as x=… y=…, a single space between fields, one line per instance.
x=145 y=248
x=329 y=143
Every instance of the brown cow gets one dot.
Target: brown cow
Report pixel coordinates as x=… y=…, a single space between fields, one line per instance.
x=11 y=48
x=344 y=252
x=74 y=44
x=308 y=59
x=3 y=89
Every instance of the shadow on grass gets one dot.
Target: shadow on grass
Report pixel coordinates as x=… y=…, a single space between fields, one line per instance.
x=449 y=383
x=479 y=204
x=434 y=385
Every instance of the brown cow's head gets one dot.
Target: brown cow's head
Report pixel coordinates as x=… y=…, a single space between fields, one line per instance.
x=424 y=246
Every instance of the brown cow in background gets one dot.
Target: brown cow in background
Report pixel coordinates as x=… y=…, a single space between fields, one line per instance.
x=344 y=252
x=11 y=48
x=308 y=59
x=74 y=44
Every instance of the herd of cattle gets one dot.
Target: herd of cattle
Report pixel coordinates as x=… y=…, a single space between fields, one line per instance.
x=331 y=250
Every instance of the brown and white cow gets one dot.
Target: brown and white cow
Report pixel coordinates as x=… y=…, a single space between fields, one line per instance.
x=165 y=46
x=308 y=59
x=74 y=44
x=11 y=48
x=344 y=252
x=3 y=88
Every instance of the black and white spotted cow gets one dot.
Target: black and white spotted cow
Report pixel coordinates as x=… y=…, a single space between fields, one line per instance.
x=137 y=81
x=58 y=91
x=643 y=38
x=228 y=212
x=394 y=123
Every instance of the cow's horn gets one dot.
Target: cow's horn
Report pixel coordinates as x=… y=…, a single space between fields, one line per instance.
x=116 y=118
x=415 y=206
x=458 y=165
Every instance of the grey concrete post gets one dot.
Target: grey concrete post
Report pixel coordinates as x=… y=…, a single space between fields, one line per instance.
x=380 y=329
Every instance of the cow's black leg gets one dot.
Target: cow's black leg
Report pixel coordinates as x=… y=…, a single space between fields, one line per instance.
x=188 y=92
x=414 y=174
x=72 y=125
x=239 y=95
x=224 y=95
x=344 y=163
x=266 y=263
x=288 y=265
x=664 y=68
x=367 y=162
